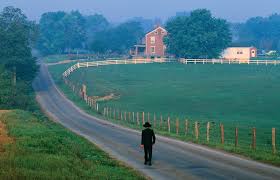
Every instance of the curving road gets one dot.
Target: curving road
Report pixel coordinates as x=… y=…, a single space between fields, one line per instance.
x=172 y=159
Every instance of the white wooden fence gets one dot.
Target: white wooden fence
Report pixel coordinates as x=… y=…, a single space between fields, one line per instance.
x=111 y=62
x=164 y=60
x=228 y=61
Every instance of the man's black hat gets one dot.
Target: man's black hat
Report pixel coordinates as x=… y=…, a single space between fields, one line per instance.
x=147 y=124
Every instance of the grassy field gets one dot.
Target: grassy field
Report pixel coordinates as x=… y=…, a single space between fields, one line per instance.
x=242 y=96
x=37 y=148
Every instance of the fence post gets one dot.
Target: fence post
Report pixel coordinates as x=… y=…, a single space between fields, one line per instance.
x=208 y=132
x=196 y=130
x=104 y=111
x=236 y=136
x=186 y=126
x=222 y=134
x=137 y=114
x=97 y=107
x=143 y=118
x=160 y=124
x=168 y=124
x=273 y=142
x=177 y=126
x=155 y=119
x=121 y=116
x=148 y=117
x=133 y=119
x=124 y=115
x=254 y=138
x=129 y=117
x=114 y=114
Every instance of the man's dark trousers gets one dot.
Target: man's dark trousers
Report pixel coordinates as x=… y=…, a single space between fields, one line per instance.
x=148 y=153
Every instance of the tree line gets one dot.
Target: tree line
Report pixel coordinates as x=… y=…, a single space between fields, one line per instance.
x=261 y=32
x=195 y=35
x=62 y=32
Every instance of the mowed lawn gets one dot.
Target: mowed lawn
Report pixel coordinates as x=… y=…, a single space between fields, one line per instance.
x=241 y=94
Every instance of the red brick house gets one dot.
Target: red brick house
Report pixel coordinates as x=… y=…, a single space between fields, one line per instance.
x=152 y=46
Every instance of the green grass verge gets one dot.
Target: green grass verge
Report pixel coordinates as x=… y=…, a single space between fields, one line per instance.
x=43 y=149
x=234 y=84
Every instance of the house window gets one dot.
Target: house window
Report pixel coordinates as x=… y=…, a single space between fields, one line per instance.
x=153 y=49
x=253 y=52
x=239 y=52
x=153 y=40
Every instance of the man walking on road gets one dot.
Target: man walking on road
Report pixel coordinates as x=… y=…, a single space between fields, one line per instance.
x=148 y=140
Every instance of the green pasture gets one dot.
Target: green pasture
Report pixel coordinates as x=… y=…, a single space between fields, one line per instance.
x=243 y=96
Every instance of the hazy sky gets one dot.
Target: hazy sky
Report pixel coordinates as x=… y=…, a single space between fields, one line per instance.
x=120 y=10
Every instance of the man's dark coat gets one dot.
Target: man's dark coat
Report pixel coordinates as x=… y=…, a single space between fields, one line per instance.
x=148 y=139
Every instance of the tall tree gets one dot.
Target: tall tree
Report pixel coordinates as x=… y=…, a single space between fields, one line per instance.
x=61 y=32
x=16 y=34
x=199 y=35
x=74 y=30
x=51 y=39
x=95 y=23
x=17 y=66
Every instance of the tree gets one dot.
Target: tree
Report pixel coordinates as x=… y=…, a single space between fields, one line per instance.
x=74 y=30
x=197 y=36
x=118 y=39
x=94 y=24
x=262 y=32
x=51 y=39
x=16 y=34
x=61 y=32
x=17 y=66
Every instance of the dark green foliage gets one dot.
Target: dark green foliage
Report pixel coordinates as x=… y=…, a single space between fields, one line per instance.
x=61 y=32
x=118 y=39
x=262 y=32
x=95 y=23
x=16 y=34
x=17 y=65
x=20 y=96
x=197 y=36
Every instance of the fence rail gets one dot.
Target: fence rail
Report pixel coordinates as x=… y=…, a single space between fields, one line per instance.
x=228 y=61
x=114 y=62
x=163 y=60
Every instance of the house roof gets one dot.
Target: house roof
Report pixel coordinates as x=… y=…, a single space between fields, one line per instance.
x=241 y=47
x=159 y=27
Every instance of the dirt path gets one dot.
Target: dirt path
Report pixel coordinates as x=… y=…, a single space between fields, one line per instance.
x=4 y=138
